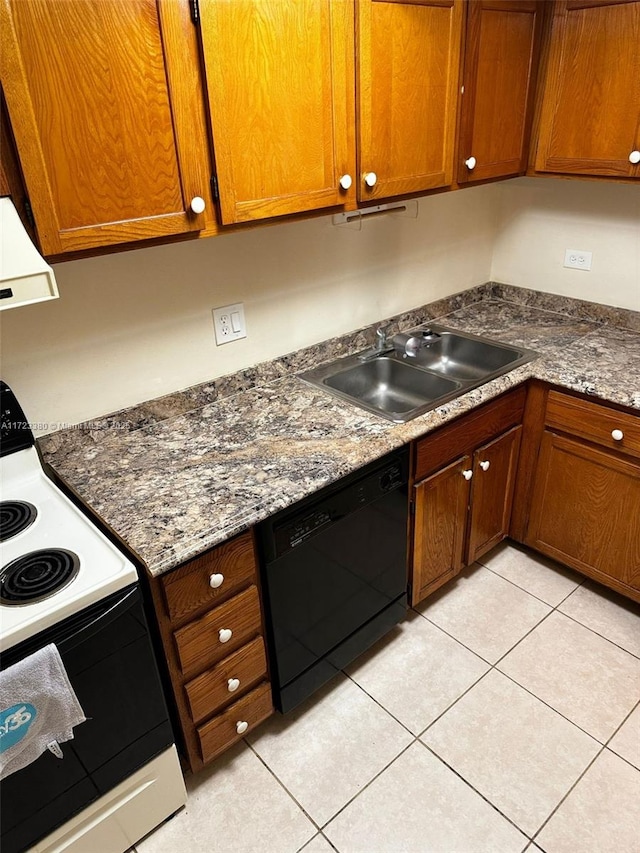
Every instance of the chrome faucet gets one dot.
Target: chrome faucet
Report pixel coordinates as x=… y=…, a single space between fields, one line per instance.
x=381 y=337
x=381 y=345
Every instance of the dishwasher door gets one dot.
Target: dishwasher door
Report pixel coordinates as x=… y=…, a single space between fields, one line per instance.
x=334 y=576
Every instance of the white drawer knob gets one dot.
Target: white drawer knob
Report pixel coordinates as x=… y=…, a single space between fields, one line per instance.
x=233 y=684
x=468 y=474
x=617 y=435
x=470 y=163
x=485 y=465
x=197 y=204
x=634 y=157
x=224 y=635
x=370 y=179
x=241 y=726
x=345 y=182
x=215 y=580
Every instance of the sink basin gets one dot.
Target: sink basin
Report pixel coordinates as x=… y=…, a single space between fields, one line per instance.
x=465 y=358
x=399 y=387
x=390 y=386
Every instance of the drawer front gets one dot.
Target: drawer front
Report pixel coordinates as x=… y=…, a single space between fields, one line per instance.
x=221 y=732
x=467 y=432
x=594 y=422
x=206 y=641
x=209 y=578
x=229 y=679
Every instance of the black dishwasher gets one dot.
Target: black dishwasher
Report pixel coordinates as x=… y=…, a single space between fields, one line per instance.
x=334 y=575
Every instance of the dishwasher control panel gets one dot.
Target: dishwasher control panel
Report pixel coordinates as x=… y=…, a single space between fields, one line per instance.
x=293 y=527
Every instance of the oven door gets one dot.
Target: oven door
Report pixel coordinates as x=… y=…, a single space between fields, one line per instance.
x=107 y=653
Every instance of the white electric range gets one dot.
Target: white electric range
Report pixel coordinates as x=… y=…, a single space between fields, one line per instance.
x=63 y=582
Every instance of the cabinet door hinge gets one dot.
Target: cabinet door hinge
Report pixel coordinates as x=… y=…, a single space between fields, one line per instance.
x=214 y=188
x=412 y=508
x=194 y=6
x=28 y=212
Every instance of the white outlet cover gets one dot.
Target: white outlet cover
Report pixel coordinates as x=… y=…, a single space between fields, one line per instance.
x=576 y=259
x=229 y=324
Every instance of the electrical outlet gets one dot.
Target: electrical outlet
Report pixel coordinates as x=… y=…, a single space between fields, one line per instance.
x=228 y=323
x=576 y=260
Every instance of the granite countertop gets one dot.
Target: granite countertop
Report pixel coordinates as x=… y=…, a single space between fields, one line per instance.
x=174 y=477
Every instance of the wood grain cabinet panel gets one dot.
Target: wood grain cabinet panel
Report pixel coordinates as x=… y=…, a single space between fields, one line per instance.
x=229 y=567
x=225 y=729
x=498 y=85
x=232 y=677
x=590 y=116
x=282 y=103
x=462 y=503
x=615 y=430
x=202 y=642
x=586 y=511
x=441 y=503
x=494 y=478
x=103 y=126
x=408 y=76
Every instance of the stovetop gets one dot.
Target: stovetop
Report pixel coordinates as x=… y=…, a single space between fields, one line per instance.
x=91 y=566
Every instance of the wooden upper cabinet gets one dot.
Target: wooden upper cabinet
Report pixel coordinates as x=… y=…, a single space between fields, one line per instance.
x=107 y=115
x=280 y=81
x=590 y=115
x=498 y=86
x=408 y=76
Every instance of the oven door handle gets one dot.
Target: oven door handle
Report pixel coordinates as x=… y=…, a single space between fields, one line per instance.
x=117 y=609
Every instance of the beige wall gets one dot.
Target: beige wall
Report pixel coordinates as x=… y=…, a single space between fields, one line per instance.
x=541 y=217
x=135 y=325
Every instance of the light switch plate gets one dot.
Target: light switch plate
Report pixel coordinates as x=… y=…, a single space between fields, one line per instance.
x=228 y=323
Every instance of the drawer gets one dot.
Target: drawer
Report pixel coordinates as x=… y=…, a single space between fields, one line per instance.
x=229 y=567
x=200 y=643
x=221 y=732
x=211 y=690
x=594 y=422
x=467 y=432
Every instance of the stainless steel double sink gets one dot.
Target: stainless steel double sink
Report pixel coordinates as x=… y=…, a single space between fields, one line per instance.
x=417 y=371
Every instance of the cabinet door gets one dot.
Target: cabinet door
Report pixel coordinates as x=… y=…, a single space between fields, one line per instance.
x=499 y=79
x=494 y=478
x=102 y=128
x=586 y=510
x=281 y=97
x=590 y=118
x=441 y=503
x=408 y=74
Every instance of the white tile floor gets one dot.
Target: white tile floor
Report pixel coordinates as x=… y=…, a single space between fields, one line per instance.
x=505 y=712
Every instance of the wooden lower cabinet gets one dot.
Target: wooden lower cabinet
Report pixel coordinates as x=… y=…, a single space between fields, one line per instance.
x=464 y=480
x=585 y=510
x=211 y=627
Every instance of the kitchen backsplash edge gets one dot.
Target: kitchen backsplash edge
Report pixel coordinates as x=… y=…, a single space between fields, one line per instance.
x=180 y=402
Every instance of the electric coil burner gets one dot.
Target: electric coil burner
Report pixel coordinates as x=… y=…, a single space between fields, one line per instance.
x=37 y=575
x=15 y=516
x=63 y=582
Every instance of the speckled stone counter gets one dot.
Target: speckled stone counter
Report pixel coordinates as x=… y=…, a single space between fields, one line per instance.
x=179 y=475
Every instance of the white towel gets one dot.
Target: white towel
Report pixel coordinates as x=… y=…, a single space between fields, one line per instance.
x=38 y=709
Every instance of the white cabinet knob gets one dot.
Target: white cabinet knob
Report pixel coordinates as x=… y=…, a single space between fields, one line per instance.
x=485 y=465
x=345 y=182
x=233 y=684
x=468 y=474
x=617 y=435
x=241 y=726
x=470 y=163
x=224 y=635
x=215 y=581
x=370 y=179
x=634 y=157
x=197 y=204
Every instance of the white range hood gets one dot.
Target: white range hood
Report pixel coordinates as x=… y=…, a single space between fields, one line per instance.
x=25 y=277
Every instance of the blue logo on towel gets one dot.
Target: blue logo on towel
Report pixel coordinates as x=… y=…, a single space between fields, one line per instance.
x=14 y=724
